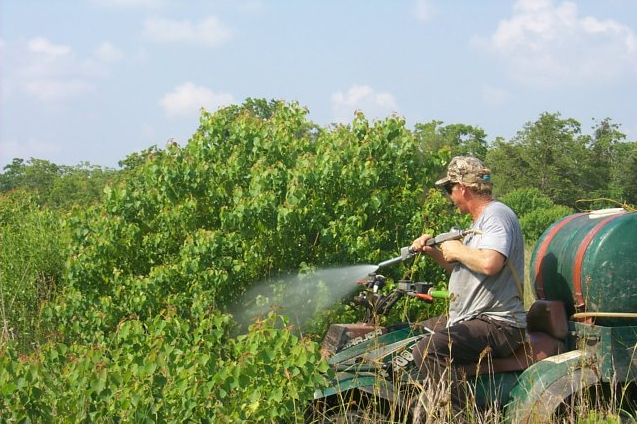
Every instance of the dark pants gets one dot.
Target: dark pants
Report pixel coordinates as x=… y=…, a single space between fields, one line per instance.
x=468 y=342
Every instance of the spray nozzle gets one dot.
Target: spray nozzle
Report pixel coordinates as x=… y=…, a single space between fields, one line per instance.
x=405 y=253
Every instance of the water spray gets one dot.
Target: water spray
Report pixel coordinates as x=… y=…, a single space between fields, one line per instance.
x=302 y=296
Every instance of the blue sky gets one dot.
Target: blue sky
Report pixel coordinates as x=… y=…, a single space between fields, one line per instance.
x=96 y=80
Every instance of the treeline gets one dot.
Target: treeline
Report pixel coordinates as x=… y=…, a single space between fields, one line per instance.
x=57 y=186
x=117 y=310
x=552 y=154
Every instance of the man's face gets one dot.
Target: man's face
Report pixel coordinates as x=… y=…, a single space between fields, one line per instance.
x=455 y=193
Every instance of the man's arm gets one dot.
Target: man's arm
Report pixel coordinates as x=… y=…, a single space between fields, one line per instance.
x=483 y=261
x=419 y=245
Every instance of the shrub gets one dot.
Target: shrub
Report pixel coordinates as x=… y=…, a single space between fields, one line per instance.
x=535 y=211
x=165 y=369
x=536 y=222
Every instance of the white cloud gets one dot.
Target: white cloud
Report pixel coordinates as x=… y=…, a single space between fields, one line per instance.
x=545 y=43
x=425 y=11
x=48 y=89
x=47 y=49
x=54 y=73
x=186 y=100
x=210 y=31
x=106 y=52
x=363 y=98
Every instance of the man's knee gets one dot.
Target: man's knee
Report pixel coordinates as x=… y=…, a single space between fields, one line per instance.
x=428 y=359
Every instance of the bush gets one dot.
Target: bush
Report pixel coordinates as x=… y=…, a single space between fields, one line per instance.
x=535 y=211
x=187 y=231
x=526 y=200
x=536 y=222
x=246 y=200
x=166 y=369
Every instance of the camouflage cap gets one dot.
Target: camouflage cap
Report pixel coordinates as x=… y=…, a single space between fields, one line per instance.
x=469 y=171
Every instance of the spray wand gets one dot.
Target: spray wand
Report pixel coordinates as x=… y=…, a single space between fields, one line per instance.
x=407 y=252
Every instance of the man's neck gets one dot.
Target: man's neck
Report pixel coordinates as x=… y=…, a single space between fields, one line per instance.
x=478 y=205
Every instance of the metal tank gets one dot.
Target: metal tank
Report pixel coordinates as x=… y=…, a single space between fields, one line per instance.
x=589 y=262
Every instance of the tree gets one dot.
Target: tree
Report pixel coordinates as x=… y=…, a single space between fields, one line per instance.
x=549 y=154
x=57 y=186
x=36 y=174
x=613 y=164
x=457 y=139
x=603 y=157
x=625 y=173
x=79 y=185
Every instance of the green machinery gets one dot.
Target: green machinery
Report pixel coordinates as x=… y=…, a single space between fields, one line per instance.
x=589 y=263
x=581 y=344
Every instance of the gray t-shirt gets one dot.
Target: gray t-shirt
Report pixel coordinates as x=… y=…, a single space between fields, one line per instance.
x=496 y=296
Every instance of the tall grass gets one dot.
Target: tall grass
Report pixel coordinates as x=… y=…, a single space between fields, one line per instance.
x=32 y=246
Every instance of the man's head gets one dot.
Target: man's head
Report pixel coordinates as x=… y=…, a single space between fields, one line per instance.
x=468 y=171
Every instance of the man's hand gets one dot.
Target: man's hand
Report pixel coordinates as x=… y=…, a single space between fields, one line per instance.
x=484 y=261
x=418 y=245
x=451 y=250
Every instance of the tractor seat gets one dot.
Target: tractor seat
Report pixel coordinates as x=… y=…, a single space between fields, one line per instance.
x=546 y=331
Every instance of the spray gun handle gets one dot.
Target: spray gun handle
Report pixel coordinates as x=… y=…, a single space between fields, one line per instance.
x=454 y=234
x=407 y=253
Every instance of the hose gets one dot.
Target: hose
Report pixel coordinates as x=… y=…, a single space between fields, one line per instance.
x=581 y=315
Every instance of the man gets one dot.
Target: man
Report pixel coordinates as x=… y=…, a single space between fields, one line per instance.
x=486 y=311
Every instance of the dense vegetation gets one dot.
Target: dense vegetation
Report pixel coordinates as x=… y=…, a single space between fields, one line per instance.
x=115 y=284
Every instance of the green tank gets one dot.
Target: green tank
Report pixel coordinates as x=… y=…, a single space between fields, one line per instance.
x=589 y=262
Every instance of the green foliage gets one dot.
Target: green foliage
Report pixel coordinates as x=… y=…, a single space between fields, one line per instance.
x=36 y=174
x=245 y=199
x=535 y=211
x=567 y=166
x=536 y=222
x=526 y=200
x=455 y=139
x=613 y=167
x=549 y=154
x=180 y=233
x=437 y=215
x=56 y=186
x=595 y=417
x=32 y=254
x=166 y=369
x=185 y=231
x=623 y=185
